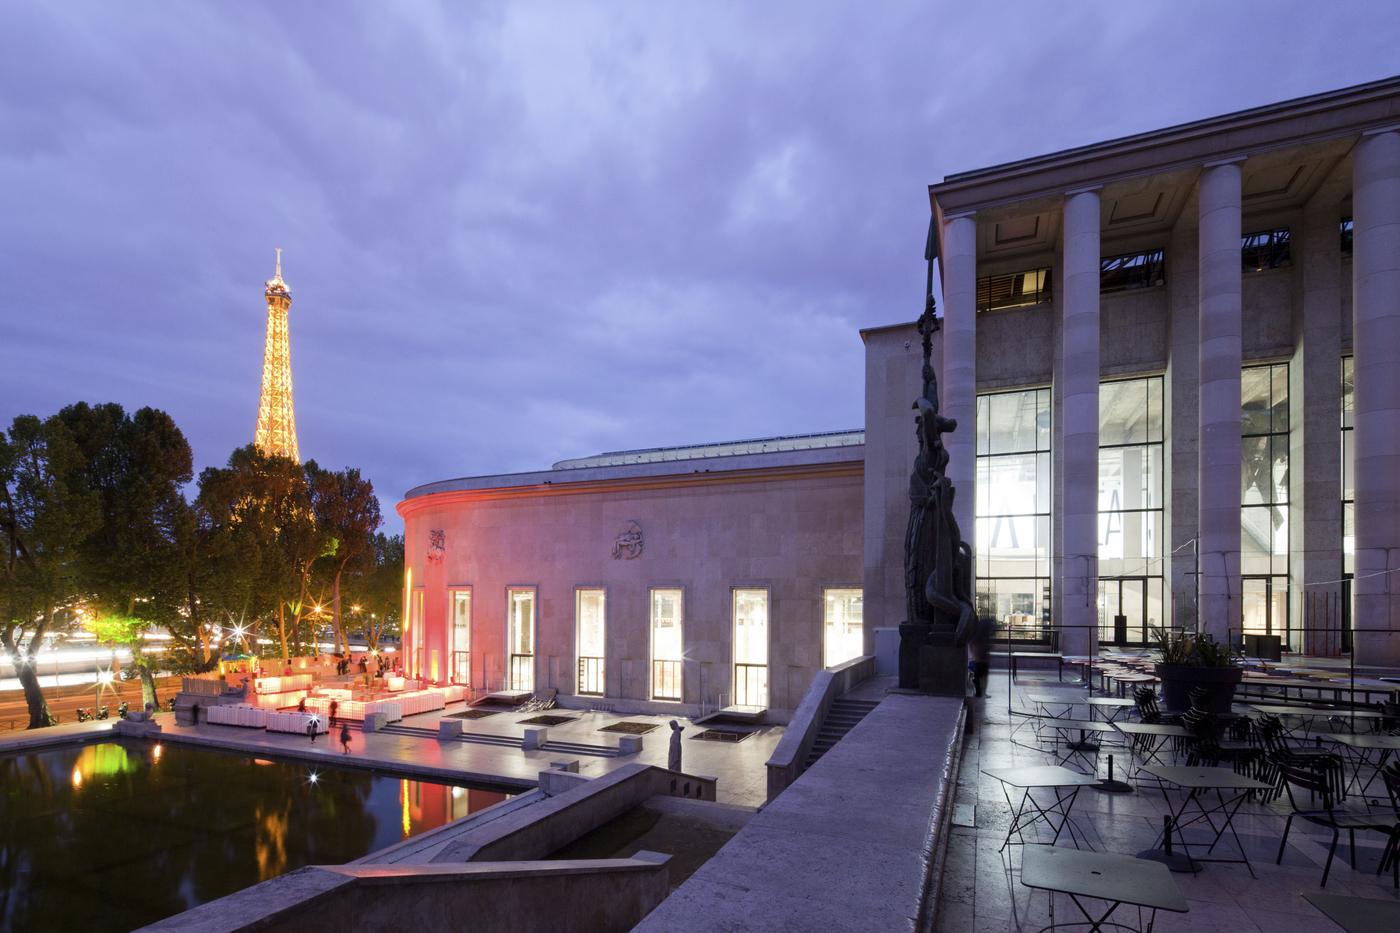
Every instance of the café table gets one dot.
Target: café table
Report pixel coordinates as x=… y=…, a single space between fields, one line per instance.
x=1358 y=749
x=1150 y=738
x=1082 y=749
x=1357 y=914
x=1066 y=785
x=1113 y=707
x=1196 y=781
x=1101 y=876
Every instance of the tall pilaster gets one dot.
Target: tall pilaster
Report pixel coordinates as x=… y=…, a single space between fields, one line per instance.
x=1220 y=356
x=1376 y=347
x=1077 y=429
x=958 y=383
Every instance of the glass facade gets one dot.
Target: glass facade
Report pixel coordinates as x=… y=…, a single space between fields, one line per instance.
x=1131 y=496
x=667 y=643
x=590 y=621
x=461 y=636
x=1013 y=503
x=843 y=625
x=750 y=647
x=1264 y=426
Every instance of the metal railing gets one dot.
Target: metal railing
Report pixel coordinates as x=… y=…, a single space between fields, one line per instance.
x=590 y=677
x=462 y=668
x=666 y=680
x=750 y=684
x=522 y=672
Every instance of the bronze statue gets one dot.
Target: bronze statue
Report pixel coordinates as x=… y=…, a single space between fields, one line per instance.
x=937 y=561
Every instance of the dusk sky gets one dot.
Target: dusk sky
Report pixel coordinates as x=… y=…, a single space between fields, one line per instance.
x=516 y=233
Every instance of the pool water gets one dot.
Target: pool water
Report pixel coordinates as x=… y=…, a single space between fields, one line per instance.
x=120 y=834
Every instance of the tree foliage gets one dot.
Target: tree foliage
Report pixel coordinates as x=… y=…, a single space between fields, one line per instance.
x=97 y=529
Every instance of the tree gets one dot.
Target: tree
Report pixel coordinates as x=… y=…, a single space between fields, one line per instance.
x=347 y=513
x=46 y=513
x=255 y=542
x=131 y=566
x=379 y=591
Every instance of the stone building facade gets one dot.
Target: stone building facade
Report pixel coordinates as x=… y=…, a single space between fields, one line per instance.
x=1181 y=354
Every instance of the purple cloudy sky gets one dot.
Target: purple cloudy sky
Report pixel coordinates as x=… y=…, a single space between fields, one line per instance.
x=522 y=232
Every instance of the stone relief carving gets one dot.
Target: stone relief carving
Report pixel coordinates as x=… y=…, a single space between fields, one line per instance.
x=628 y=543
x=437 y=546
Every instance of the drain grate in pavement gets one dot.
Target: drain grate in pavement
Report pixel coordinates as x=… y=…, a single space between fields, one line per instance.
x=628 y=727
x=724 y=735
x=472 y=714
x=546 y=720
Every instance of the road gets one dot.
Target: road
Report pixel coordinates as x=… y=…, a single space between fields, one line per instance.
x=64 y=701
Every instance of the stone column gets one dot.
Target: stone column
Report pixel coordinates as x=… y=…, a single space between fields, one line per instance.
x=1182 y=389
x=958 y=376
x=1314 y=454
x=1376 y=346
x=1077 y=430
x=1220 y=352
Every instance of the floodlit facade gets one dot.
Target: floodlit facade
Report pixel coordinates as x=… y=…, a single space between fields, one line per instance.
x=667 y=579
x=1175 y=358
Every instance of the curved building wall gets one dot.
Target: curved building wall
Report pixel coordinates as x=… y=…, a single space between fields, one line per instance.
x=793 y=529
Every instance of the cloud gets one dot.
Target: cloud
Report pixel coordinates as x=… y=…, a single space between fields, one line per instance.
x=522 y=232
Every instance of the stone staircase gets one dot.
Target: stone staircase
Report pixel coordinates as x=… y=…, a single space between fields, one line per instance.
x=840 y=719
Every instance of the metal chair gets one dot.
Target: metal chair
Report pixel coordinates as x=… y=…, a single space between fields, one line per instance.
x=1391 y=856
x=1316 y=784
x=1278 y=750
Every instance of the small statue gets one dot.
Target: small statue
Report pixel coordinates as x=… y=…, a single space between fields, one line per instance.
x=673 y=759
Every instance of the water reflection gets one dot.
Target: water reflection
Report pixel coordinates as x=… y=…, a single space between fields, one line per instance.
x=117 y=835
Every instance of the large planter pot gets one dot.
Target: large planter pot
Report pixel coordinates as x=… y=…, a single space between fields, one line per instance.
x=1178 y=680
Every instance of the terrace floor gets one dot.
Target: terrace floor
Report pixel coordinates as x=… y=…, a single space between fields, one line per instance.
x=739 y=766
x=982 y=888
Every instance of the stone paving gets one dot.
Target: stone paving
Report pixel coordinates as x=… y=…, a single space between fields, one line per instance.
x=738 y=766
x=982 y=888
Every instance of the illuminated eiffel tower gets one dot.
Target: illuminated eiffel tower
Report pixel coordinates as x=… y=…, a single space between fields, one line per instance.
x=277 y=422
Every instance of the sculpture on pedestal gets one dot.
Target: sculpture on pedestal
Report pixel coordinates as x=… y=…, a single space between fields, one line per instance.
x=937 y=561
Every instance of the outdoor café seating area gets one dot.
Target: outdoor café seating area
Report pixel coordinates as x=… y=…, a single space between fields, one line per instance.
x=1084 y=799
x=290 y=702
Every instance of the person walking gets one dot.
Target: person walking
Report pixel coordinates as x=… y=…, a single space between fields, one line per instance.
x=194 y=711
x=345 y=738
x=335 y=705
x=311 y=728
x=301 y=705
x=979 y=653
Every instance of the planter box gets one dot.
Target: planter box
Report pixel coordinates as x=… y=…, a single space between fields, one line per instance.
x=1178 y=680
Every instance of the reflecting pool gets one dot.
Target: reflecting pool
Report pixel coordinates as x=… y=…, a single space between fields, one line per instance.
x=120 y=834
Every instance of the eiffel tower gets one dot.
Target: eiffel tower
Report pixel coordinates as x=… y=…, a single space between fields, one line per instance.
x=277 y=422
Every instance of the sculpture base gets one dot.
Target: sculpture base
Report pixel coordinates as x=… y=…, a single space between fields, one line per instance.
x=943 y=670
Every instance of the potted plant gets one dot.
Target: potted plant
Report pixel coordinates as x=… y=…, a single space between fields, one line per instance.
x=1191 y=660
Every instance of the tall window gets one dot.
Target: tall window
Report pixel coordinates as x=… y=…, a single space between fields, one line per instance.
x=1013 y=510
x=590 y=618
x=520 y=637
x=1130 y=509
x=843 y=625
x=1264 y=499
x=667 y=644
x=415 y=644
x=1348 y=486
x=750 y=647
x=462 y=636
